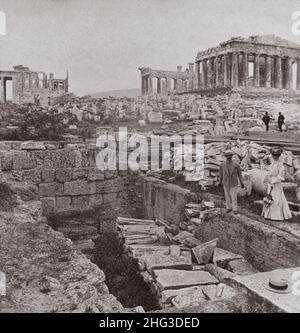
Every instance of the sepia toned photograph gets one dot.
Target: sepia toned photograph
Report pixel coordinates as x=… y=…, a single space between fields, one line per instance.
x=149 y=159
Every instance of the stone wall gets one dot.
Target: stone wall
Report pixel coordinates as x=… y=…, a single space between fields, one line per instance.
x=164 y=201
x=264 y=246
x=64 y=179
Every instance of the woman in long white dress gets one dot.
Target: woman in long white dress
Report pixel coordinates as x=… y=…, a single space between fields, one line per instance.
x=279 y=210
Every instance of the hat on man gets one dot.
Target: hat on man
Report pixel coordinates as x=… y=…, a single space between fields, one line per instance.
x=228 y=152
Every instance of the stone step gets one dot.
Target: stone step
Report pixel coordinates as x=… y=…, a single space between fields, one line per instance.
x=130 y=221
x=138 y=250
x=222 y=257
x=79 y=233
x=140 y=240
x=163 y=261
x=177 y=279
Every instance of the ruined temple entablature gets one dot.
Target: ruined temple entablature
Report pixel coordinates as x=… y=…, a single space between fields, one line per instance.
x=29 y=86
x=256 y=62
x=167 y=81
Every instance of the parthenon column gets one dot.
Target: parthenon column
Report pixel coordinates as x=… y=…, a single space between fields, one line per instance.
x=204 y=74
x=256 y=70
x=2 y=89
x=197 y=76
x=268 y=71
x=158 y=89
x=235 y=70
x=150 y=85
x=298 y=75
x=209 y=74
x=224 y=66
x=217 y=71
x=289 y=74
x=143 y=86
x=245 y=70
x=278 y=73
x=168 y=84
x=179 y=85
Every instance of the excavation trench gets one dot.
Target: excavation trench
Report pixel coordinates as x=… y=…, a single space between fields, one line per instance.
x=251 y=245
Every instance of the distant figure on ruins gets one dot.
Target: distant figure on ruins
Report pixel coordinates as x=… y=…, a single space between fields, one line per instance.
x=280 y=121
x=277 y=209
x=266 y=119
x=230 y=175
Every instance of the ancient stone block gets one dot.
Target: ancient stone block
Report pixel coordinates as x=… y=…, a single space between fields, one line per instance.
x=80 y=202
x=179 y=238
x=241 y=267
x=109 y=186
x=32 y=145
x=219 y=273
x=184 y=297
x=192 y=242
x=110 y=174
x=79 y=187
x=48 y=205
x=6 y=160
x=27 y=192
x=161 y=261
x=48 y=175
x=95 y=200
x=63 y=203
x=50 y=189
x=95 y=174
x=21 y=160
x=203 y=253
x=5 y=146
x=176 y=279
x=80 y=173
x=223 y=257
x=58 y=159
x=217 y=292
x=175 y=250
x=32 y=176
x=63 y=175
x=110 y=198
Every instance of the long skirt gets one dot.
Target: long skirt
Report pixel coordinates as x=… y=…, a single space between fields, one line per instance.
x=279 y=210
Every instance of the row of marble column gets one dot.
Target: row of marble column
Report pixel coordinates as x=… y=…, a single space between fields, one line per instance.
x=180 y=85
x=227 y=70
x=3 y=89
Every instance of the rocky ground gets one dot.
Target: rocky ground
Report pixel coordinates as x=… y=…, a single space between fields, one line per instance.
x=43 y=270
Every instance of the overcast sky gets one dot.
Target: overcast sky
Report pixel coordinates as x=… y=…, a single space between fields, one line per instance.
x=103 y=42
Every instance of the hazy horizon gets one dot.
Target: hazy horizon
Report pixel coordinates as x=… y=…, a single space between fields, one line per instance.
x=102 y=43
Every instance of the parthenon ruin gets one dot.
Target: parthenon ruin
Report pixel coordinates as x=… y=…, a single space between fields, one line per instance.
x=258 y=63
x=25 y=86
x=167 y=81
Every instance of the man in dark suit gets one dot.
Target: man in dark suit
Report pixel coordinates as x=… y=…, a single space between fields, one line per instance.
x=266 y=119
x=280 y=121
x=230 y=176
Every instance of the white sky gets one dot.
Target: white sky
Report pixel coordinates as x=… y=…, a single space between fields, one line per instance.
x=103 y=42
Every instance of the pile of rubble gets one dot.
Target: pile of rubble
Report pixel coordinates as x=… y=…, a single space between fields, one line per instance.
x=249 y=155
x=180 y=270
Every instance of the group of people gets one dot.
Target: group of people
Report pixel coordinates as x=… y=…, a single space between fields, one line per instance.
x=280 y=121
x=230 y=175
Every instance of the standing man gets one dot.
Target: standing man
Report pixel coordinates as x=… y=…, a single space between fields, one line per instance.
x=280 y=121
x=266 y=120
x=230 y=174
